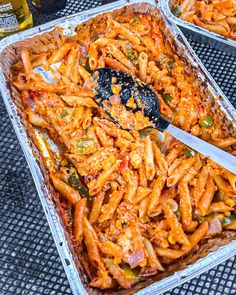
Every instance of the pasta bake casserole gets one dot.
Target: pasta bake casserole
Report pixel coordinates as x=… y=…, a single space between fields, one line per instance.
x=218 y=16
x=133 y=202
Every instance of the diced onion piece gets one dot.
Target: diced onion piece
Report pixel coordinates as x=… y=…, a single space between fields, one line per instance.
x=214 y=227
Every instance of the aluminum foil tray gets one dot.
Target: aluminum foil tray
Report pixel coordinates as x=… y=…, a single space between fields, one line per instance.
x=224 y=245
x=197 y=33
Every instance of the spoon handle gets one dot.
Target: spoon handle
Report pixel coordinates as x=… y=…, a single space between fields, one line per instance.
x=217 y=155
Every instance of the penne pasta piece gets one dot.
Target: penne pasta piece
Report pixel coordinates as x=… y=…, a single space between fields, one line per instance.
x=219 y=207
x=113 y=130
x=112 y=34
x=79 y=214
x=82 y=92
x=103 y=42
x=118 y=273
x=223 y=185
x=113 y=63
x=169 y=253
x=232 y=179
x=150 y=44
x=149 y=158
x=96 y=186
x=84 y=73
x=114 y=51
x=60 y=53
x=120 y=29
x=223 y=4
x=101 y=62
x=143 y=207
x=200 y=185
x=180 y=171
x=111 y=249
x=45 y=150
x=103 y=138
x=142 y=175
x=174 y=152
x=78 y=101
x=87 y=119
x=103 y=282
x=223 y=143
x=91 y=242
x=111 y=207
x=185 y=204
x=196 y=237
x=131 y=188
x=176 y=163
x=142 y=62
x=169 y=193
x=28 y=67
x=122 y=143
x=96 y=161
x=193 y=171
x=159 y=158
x=142 y=193
x=175 y=225
x=191 y=227
x=37 y=120
x=96 y=207
x=93 y=57
x=155 y=196
x=152 y=257
x=79 y=115
x=71 y=61
x=74 y=75
x=67 y=191
x=207 y=197
x=41 y=86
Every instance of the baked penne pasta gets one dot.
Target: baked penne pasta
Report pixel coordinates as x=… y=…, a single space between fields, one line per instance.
x=215 y=16
x=133 y=201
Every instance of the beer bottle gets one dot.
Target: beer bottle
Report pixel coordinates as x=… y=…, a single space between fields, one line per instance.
x=49 y=6
x=15 y=16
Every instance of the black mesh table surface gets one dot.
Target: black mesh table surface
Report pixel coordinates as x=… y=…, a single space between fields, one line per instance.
x=29 y=262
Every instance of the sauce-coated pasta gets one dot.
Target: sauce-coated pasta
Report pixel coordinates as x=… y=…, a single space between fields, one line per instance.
x=132 y=203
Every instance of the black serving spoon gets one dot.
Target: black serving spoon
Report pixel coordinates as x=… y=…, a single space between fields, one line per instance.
x=146 y=100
